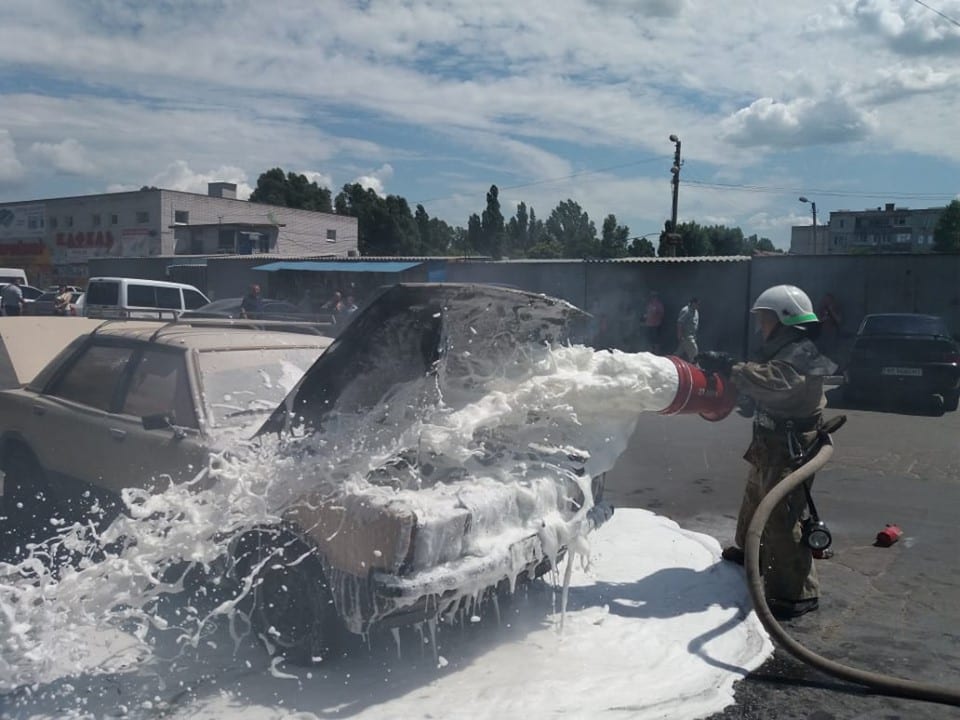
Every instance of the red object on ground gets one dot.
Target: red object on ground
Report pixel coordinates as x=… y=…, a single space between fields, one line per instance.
x=710 y=396
x=888 y=536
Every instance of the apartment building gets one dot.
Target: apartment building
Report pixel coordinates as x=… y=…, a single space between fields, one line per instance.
x=887 y=229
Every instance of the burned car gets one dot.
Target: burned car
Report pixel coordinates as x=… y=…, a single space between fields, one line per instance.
x=405 y=502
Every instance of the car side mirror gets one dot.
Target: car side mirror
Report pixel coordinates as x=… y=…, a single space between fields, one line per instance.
x=161 y=421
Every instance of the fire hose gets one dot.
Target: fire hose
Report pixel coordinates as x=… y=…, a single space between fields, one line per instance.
x=886 y=684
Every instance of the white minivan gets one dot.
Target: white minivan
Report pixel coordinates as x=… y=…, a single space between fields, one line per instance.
x=115 y=297
x=9 y=275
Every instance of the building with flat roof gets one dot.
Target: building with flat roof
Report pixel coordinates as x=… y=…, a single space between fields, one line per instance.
x=887 y=229
x=53 y=238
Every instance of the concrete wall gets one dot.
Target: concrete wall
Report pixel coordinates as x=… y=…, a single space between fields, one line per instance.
x=618 y=291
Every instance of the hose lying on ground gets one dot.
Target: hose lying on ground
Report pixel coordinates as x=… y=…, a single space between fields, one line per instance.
x=886 y=684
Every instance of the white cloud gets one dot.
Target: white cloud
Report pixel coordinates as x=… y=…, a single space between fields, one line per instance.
x=179 y=176
x=376 y=179
x=11 y=169
x=769 y=123
x=321 y=179
x=68 y=157
x=908 y=27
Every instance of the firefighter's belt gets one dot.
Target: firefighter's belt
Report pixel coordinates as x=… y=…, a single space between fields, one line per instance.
x=765 y=421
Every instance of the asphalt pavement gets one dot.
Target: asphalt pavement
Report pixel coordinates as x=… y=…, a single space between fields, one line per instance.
x=893 y=610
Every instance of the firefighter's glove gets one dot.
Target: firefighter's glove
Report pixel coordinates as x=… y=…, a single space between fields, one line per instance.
x=713 y=361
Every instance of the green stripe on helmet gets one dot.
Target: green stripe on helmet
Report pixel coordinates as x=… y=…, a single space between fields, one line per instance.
x=799 y=319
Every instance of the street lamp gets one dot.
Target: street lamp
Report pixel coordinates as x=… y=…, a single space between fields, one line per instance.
x=813 y=206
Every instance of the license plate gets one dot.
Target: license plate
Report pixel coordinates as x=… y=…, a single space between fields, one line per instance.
x=909 y=372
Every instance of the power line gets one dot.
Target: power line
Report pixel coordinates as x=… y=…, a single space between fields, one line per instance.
x=782 y=190
x=656 y=158
x=941 y=14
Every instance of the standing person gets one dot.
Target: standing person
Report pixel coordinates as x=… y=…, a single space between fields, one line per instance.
x=350 y=306
x=653 y=320
x=251 y=303
x=12 y=298
x=785 y=382
x=688 y=321
x=61 y=304
x=831 y=318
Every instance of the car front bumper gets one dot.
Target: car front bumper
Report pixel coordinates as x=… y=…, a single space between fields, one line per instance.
x=418 y=596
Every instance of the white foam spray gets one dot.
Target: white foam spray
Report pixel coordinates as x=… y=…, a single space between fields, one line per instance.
x=560 y=414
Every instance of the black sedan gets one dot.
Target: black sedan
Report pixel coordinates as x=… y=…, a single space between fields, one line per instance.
x=903 y=356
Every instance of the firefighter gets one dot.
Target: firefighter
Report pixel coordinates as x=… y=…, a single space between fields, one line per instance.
x=784 y=384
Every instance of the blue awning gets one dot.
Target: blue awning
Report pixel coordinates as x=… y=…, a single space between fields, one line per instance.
x=334 y=266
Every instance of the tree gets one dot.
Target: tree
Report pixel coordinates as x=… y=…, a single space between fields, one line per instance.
x=641 y=247
x=572 y=230
x=385 y=226
x=474 y=234
x=613 y=238
x=291 y=190
x=518 y=232
x=946 y=233
x=491 y=225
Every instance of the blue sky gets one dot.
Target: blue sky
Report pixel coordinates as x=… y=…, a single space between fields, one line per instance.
x=852 y=103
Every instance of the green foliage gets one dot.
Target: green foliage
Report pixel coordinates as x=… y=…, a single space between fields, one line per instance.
x=613 y=238
x=385 y=226
x=641 y=247
x=291 y=190
x=572 y=230
x=946 y=234
x=492 y=229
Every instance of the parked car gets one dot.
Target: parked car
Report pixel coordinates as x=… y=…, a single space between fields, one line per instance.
x=123 y=392
x=115 y=297
x=269 y=310
x=141 y=398
x=45 y=304
x=903 y=357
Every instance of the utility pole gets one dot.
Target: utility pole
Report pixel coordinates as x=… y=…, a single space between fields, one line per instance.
x=671 y=238
x=813 y=207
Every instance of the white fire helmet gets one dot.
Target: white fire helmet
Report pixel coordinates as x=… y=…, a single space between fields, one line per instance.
x=790 y=303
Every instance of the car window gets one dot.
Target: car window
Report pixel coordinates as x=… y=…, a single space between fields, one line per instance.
x=141 y=296
x=159 y=386
x=94 y=377
x=30 y=293
x=193 y=300
x=903 y=325
x=169 y=297
x=241 y=383
x=47 y=297
x=103 y=293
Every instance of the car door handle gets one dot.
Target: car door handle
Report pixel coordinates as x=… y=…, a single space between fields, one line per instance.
x=118 y=434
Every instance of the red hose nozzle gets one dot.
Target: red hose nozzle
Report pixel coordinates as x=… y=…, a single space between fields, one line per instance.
x=710 y=396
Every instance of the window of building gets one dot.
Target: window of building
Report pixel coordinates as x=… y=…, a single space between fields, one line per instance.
x=68 y=221
x=331 y=235
x=114 y=219
x=841 y=222
x=95 y=220
x=181 y=217
x=142 y=217
x=227 y=241
x=53 y=223
x=263 y=243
